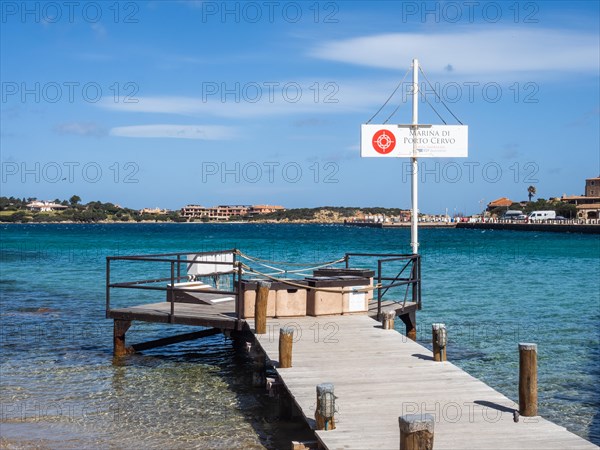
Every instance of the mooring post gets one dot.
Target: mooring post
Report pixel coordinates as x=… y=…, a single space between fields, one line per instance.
x=528 y=380
x=260 y=306
x=439 y=340
x=324 y=414
x=419 y=282
x=240 y=294
x=387 y=322
x=379 y=294
x=172 y=293
x=273 y=385
x=119 y=331
x=286 y=341
x=259 y=374
x=416 y=432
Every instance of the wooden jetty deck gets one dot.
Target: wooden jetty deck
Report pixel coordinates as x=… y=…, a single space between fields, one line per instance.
x=380 y=375
x=219 y=315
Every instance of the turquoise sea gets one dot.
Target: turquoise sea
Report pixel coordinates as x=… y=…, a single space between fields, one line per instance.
x=60 y=389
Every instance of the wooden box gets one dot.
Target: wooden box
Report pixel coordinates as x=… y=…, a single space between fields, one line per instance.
x=322 y=303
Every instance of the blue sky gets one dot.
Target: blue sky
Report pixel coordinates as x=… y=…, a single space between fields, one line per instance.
x=168 y=103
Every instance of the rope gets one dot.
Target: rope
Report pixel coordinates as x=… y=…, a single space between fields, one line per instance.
x=276 y=269
x=315 y=267
x=390 y=97
x=270 y=276
x=285 y=263
x=434 y=110
x=303 y=286
x=286 y=271
x=437 y=95
x=394 y=112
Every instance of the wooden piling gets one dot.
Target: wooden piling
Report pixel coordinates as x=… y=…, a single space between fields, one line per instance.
x=410 y=321
x=175 y=339
x=387 y=321
x=324 y=421
x=439 y=339
x=412 y=334
x=119 y=331
x=260 y=306
x=273 y=385
x=259 y=366
x=287 y=407
x=416 y=432
x=528 y=380
x=286 y=341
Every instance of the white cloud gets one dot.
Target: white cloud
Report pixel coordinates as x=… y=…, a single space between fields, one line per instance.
x=203 y=132
x=80 y=129
x=302 y=97
x=481 y=52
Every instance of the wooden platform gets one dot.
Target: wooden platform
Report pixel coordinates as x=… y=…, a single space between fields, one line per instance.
x=218 y=315
x=380 y=375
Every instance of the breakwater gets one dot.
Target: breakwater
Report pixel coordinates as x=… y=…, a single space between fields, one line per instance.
x=400 y=224
x=551 y=227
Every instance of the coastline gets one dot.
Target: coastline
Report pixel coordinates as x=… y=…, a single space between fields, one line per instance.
x=544 y=227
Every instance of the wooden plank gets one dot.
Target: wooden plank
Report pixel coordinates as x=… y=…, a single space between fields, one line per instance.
x=175 y=339
x=380 y=374
x=402 y=377
x=217 y=315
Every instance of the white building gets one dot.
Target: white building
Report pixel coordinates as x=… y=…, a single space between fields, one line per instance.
x=44 y=206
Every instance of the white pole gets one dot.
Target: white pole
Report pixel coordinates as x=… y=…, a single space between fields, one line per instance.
x=414 y=226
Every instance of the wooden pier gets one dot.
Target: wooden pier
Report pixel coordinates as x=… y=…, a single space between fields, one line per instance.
x=220 y=317
x=552 y=226
x=382 y=379
x=195 y=303
x=380 y=375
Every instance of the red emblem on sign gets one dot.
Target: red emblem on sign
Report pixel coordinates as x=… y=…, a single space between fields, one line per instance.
x=384 y=141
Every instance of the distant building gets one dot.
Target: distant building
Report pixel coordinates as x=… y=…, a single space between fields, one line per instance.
x=264 y=209
x=44 y=206
x=588 y=205
x=361 y=217
x=588 y=211
x=226 y=212
x=154 y=211
x=234 y=210
x=502 y=202
x=201 y=212
x=592 y=187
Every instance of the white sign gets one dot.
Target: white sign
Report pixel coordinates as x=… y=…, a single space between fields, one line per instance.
x=356 y=300
x=397 y=141
x=203 y=269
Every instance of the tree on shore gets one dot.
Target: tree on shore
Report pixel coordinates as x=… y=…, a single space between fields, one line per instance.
x=75 y=200
x=531 y=191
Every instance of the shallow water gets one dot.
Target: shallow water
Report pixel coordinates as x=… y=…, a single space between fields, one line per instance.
x=492 y=289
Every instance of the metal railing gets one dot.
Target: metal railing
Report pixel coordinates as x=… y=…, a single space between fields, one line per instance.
x=175 y=261
x=409 y=275
x=411 y=279
x=542 y=221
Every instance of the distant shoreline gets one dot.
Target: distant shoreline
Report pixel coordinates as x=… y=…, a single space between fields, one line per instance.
x=545 y=227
